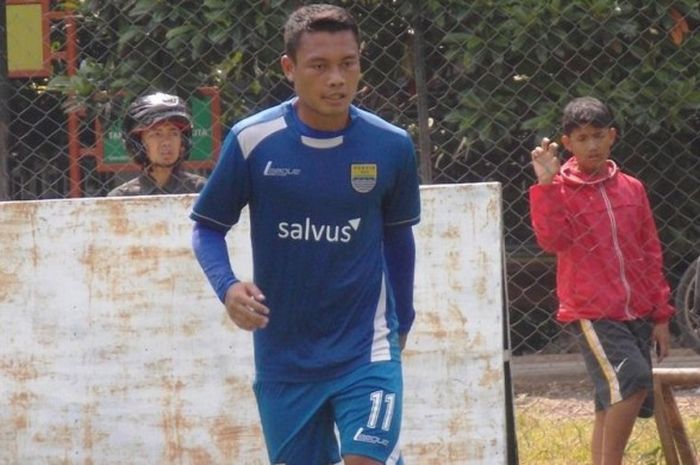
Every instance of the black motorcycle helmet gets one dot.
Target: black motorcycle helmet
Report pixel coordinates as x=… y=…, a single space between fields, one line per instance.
x=149 y=110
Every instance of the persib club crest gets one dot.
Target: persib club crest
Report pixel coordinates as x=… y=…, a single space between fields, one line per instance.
x=363 y=177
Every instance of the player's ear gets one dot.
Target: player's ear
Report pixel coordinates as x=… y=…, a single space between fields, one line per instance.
x=287 y=67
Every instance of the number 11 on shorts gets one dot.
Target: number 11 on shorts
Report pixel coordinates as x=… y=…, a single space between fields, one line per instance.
x=378 y=398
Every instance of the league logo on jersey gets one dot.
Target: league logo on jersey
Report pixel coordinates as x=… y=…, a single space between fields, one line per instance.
x=363 y=177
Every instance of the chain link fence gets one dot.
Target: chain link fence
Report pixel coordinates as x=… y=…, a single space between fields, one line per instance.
x=477 y=83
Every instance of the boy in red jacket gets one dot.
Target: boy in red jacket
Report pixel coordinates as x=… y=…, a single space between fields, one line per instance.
x=610 y=282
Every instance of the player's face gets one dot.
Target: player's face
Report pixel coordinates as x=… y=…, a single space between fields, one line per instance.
x=163 y=144
x=591 y=146
x=325 y=73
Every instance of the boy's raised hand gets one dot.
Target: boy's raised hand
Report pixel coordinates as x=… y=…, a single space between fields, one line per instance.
x=545 y=161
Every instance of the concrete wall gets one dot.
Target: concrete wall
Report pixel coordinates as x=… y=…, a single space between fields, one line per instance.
x=114 y=349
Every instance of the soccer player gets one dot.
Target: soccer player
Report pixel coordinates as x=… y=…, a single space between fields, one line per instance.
x=332 y=192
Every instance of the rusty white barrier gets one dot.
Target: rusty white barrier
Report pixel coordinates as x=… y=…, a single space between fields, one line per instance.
x=114 y=349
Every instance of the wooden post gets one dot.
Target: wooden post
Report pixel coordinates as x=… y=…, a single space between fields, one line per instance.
x=674 y=439
x=668 y=446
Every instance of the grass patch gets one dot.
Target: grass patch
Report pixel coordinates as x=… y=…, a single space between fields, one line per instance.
x=553 y=432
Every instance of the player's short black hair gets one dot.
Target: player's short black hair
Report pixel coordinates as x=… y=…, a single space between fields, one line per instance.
x=318 y=17
x=586 y=110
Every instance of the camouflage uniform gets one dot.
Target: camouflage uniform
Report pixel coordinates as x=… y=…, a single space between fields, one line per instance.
x=180 y=182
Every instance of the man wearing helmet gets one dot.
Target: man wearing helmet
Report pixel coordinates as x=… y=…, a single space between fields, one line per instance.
x=157 y=133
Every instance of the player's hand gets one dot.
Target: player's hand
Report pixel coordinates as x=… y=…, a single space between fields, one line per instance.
x=661 y=337
x=545 y=161
x=244 y=306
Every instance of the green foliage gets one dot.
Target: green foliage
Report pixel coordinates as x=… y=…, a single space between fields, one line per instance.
x=175 y=46
x=528 y=58
x=180 y=46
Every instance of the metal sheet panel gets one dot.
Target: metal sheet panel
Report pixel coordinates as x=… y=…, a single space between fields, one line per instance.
x=116 y=351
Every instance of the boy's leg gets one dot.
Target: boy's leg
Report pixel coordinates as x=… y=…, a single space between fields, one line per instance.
x=297 y=423
x=618 y=423
x=597 y=441
x=368 y=405
x=618 y=361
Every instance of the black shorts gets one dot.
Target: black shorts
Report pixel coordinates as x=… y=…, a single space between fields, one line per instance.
x=618 y=360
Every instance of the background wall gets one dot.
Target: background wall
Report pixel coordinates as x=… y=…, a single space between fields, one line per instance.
x=115 y=350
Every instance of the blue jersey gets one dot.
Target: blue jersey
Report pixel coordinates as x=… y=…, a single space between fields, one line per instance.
x=318 y=204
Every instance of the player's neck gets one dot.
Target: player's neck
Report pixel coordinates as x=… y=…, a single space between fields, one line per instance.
x=317 y=121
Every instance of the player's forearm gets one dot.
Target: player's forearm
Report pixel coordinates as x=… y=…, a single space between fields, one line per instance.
x=400 y=255
x=210 y=249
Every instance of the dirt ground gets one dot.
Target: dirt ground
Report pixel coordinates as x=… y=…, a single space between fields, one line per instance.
x=576 y=399
x=559 y=384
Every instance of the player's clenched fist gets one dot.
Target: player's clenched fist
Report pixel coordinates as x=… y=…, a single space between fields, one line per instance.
x=244 y=306
x=545 y=161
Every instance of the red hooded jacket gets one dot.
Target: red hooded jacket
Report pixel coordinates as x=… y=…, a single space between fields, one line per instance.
x=609 y=262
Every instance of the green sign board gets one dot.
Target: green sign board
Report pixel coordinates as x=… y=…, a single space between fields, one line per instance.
x=202 y=142
x=114 y=150
x=202 y=135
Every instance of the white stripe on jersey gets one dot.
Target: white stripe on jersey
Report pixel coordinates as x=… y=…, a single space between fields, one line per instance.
x=380 y=344
x=322 y=143
x=251 y=136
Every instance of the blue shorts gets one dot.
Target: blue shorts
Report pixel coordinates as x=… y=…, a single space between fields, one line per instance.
x=299 y=419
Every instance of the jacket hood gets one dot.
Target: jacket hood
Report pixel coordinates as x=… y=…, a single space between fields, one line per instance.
x=571 y=174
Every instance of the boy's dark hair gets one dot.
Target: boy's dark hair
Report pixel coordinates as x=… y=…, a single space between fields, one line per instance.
x=586 y=110
x=318 y=17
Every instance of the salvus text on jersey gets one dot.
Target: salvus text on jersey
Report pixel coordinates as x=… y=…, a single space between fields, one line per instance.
x=308 y=231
